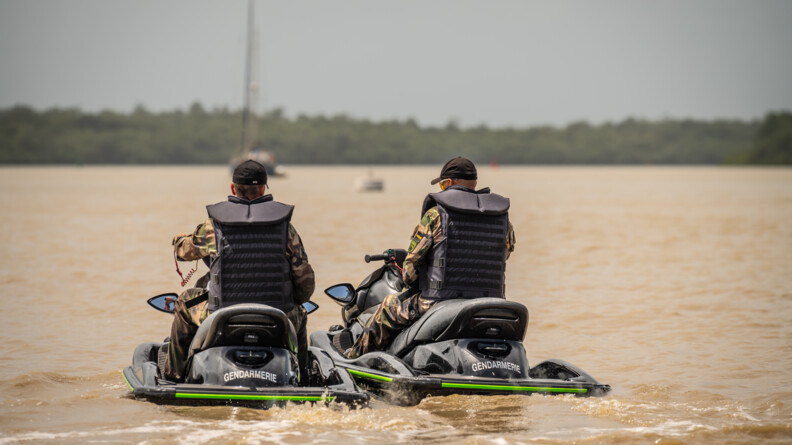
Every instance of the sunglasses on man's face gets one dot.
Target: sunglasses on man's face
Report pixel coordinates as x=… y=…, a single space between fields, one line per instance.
x=444 y=184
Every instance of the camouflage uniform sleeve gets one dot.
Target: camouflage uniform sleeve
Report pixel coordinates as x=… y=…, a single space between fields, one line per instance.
x=199 y=244
x=302 y=274
x=511 y=240
x=428 y=232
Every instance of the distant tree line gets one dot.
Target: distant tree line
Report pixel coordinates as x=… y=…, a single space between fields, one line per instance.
x=772 y=143
x=198 y=136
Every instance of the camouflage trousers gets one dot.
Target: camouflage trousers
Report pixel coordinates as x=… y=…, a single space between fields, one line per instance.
x=396 y=313
x=188 y=317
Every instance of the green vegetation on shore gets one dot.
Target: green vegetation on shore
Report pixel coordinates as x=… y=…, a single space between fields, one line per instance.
x=197 y=136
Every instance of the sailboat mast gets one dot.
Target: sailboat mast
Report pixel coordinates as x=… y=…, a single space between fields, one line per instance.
x=248 y=68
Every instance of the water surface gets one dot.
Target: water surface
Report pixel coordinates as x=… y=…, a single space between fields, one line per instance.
x=673 y=285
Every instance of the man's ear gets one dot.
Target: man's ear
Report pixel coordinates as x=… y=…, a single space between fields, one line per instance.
x=233 y=189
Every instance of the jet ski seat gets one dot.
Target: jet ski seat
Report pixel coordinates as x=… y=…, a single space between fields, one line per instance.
x=245 y=325
x=475 y=318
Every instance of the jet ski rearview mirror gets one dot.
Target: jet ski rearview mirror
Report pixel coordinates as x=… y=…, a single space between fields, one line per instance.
x=343 y=293
x=164 y=302
x=309 y=307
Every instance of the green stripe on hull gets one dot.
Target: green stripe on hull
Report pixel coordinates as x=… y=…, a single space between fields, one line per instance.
x=187 y=395
x=370 y=376
x=127 y=381
x=474 y=386
x=513 y=388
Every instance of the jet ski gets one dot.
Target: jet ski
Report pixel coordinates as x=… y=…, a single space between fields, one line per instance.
x=241 y=355
x=472 y=346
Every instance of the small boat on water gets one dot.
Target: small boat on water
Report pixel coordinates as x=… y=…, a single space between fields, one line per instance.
x=369 y=183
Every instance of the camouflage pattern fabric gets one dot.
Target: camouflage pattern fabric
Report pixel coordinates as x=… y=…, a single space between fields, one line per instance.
x=396 y=312
x=185 y=323
x=427 y=233
x=302 y=274
x=200 y=244
x=399 y=311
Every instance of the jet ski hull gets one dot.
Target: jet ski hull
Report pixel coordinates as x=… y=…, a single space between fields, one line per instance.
x=412 y=388
x=390 y=378
x=328 y=384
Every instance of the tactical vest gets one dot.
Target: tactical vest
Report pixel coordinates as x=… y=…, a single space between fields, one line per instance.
x=251 y=264
x=470 y=261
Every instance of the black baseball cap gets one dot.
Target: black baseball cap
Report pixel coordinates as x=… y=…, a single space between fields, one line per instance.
x=457 y=168
x=250 y=172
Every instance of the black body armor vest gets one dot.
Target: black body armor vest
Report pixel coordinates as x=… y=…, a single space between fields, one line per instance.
x=251 y=264
x=470 y=261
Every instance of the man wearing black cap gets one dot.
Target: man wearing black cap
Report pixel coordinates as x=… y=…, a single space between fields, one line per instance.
x=459 y=250
x=278 y=275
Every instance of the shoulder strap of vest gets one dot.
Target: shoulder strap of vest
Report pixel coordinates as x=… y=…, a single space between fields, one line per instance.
x=239 y=212
x=468 y=201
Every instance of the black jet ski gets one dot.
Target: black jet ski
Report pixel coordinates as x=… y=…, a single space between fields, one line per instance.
x=458 y=347
x=241 y=355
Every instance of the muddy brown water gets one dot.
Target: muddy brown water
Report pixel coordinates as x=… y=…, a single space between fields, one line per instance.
x=671 y=284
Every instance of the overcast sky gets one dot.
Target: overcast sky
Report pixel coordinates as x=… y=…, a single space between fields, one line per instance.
x=500 y=63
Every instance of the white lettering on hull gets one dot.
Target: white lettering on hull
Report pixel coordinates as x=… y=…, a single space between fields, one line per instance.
x=481 y=366
x=252 y=374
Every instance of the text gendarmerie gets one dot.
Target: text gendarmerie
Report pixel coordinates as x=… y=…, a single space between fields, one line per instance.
x=480 y=366
x=251 y=374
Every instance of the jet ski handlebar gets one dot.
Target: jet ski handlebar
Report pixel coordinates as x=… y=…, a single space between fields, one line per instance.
x=370 y=258
x=390 y=256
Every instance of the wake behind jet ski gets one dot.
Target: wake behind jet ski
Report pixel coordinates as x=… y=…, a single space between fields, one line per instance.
x=463 y=346
x=243 y=354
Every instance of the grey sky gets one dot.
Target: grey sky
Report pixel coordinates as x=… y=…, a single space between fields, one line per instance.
x=501 y=63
